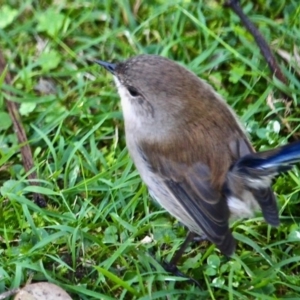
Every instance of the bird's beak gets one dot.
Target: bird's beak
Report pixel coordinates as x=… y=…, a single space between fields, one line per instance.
x=108 y=66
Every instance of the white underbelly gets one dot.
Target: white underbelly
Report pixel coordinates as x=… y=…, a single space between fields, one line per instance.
x=245 y=208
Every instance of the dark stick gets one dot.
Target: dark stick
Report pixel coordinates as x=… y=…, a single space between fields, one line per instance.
x=171 y=266
x=182 y=248
x=261 y=42
x=22 y=138
x=267 y=54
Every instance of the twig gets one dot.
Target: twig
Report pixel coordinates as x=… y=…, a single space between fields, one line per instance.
x=22 y=138
x=267 y=54
x=9 y=293
x=261 y=42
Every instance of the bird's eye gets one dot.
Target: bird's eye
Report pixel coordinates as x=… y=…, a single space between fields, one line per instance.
x=132 y=91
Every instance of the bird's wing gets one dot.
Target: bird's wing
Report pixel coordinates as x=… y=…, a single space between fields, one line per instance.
x=191 y=189
x=194 y=172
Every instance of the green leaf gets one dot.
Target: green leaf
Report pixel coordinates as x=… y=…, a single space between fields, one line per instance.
x=213 y=261
x=7 y=15
x=11 y=186
x=110 y=235
x=40 y=190
x=5 y=120
x=236 y=73
x=218 y=282
x=118 y=280
x=26 y=108
x=49 y=60
x=210 y=271
x=51 y=22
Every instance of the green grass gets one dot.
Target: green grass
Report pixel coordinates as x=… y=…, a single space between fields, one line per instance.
x=90 y=238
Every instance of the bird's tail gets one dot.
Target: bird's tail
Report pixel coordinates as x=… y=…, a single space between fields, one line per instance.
x=270 y=162
x=255 y=172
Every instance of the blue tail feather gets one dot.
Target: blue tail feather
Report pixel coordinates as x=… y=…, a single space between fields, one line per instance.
x=281 y=158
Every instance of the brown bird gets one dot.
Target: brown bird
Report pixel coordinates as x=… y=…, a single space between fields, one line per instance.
x=192 y=152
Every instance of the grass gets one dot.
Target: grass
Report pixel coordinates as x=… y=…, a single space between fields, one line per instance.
x=101 y=236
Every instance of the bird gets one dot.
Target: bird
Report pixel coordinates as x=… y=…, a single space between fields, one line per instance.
x=191 y=150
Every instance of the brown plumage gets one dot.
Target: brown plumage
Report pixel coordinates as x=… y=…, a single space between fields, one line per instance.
x=190 y=149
